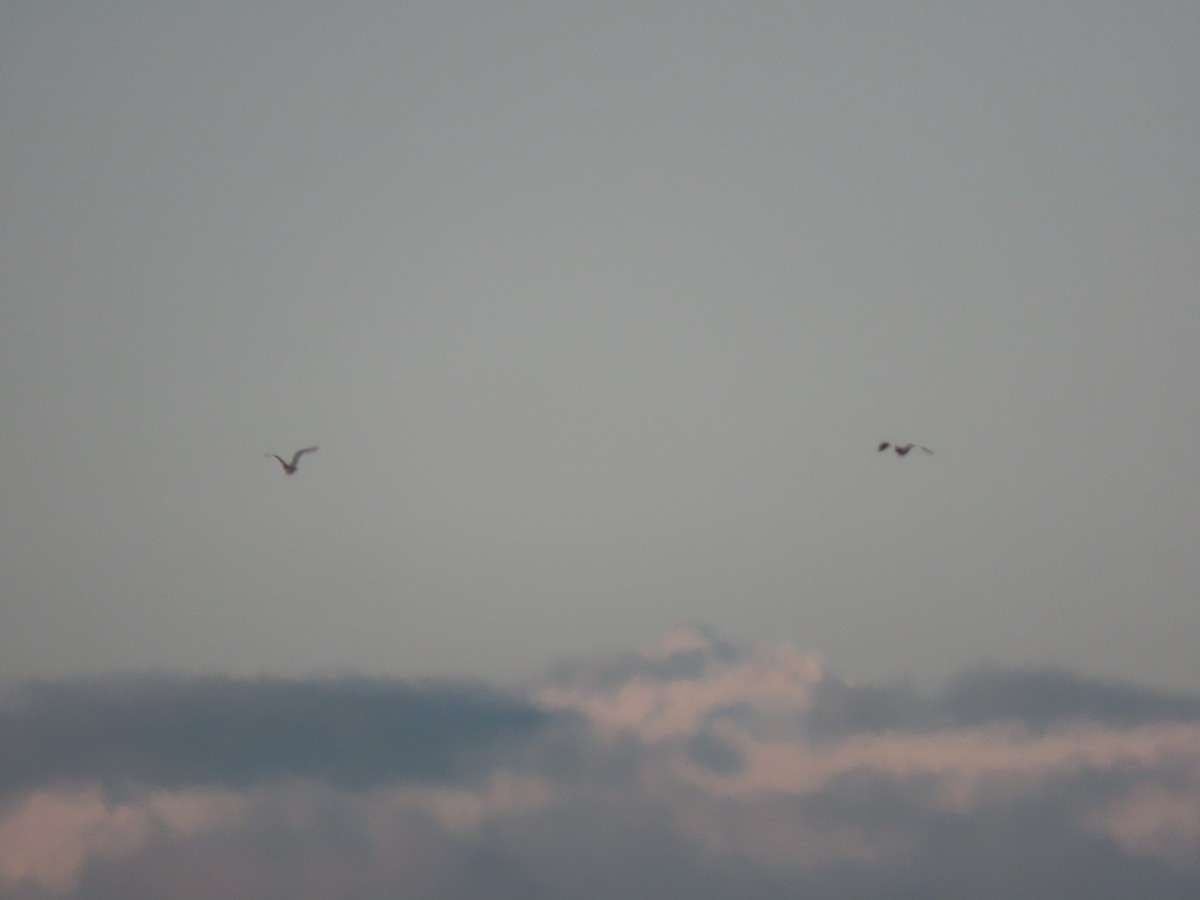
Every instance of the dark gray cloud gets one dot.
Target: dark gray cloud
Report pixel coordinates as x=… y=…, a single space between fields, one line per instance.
x=1039 y=699
x=175 y=732
x=840 y=709
x=1037 y=784
x=1044 y=697
x=712 y=752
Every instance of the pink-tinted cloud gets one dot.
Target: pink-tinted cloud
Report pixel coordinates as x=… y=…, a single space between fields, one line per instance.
x=47 y=836
x=772 y=679
x=690 y=769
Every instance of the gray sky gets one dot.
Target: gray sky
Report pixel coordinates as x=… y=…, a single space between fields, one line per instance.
x=597 y=312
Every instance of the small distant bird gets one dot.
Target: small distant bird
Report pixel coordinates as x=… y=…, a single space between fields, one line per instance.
x=289 y=468
x=902 y=449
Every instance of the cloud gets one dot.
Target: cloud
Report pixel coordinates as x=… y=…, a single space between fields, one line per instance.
x=692 y=768
x=175 y=732
x=687 y=680
x=1045 y=697
x=1039 y=699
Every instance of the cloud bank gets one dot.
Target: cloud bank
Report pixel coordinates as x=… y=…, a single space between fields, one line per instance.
x=691 y=768
x=220 y=732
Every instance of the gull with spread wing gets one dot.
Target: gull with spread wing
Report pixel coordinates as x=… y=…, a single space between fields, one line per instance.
x=289 y=468
x=902 y=449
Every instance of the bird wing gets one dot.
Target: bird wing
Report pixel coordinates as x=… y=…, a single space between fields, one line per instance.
x=299 y=453
x=884 y=446
x=282 y=461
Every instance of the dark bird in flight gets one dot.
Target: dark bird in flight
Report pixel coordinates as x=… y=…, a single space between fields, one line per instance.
x=289 y=468
x=902 y=449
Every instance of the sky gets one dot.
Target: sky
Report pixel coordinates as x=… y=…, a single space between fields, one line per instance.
x=598 y=313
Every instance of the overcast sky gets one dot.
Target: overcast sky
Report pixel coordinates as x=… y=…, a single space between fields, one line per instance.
x=597 y=313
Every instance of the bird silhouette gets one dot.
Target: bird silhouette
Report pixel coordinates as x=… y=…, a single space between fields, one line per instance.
x=289 y=468
x=902 y=449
